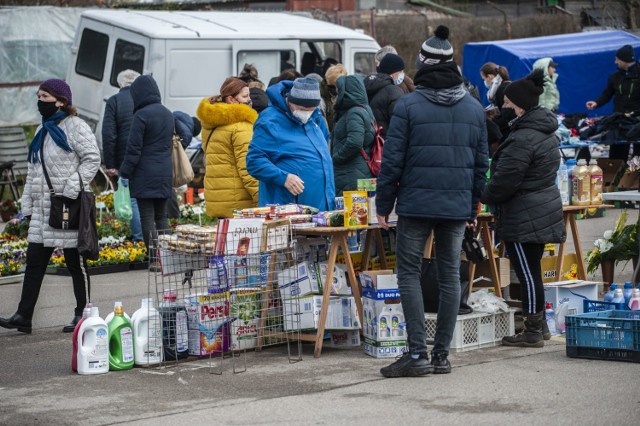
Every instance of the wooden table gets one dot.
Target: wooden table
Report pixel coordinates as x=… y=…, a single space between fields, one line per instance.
x=338 y=237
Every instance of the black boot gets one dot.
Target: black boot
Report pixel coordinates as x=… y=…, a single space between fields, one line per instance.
x=546 y=334
x=18 y=322
x=72 y=325
x=531 y=337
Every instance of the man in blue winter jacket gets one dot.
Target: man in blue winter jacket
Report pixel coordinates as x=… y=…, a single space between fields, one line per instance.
x=433 y=168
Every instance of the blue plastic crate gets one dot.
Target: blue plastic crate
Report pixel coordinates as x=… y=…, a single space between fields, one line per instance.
x=599 y=305
x=613 y=334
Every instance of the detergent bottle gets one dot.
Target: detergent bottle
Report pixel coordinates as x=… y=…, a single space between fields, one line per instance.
x=112 y=313
x=147 y=334
x=634 y=302
x=74 y=354
x=93 y=345
x=120 y=342
x=175 y=333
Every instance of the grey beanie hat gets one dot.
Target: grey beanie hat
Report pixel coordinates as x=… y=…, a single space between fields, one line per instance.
x=305 y=92
x=436 y=49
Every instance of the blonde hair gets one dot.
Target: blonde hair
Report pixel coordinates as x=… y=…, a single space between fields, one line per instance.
x=334 y=72
x=257 y=83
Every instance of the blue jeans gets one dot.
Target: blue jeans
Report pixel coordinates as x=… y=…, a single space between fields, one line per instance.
x=412 y=234
x=136 y=226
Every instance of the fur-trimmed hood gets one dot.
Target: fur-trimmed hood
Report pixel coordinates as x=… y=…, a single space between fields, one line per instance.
x=218 y=114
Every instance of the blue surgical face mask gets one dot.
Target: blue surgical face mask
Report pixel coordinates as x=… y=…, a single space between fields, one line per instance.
x=487 y=84
x=399 y=79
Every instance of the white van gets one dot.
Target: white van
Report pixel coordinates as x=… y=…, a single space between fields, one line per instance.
x=190 y=54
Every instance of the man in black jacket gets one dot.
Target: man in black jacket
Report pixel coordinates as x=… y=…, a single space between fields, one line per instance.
x=116 y=123
x=383 y=90
x=624 y=87
x=433 y=169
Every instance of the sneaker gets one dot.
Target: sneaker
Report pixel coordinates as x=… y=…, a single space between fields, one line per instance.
x=440 y=363
x=405 y=366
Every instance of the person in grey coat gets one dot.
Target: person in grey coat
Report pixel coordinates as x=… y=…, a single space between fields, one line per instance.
x=65 y=145
x=526 y=198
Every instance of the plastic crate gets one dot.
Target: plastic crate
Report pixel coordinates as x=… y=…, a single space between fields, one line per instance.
x=599 y=305
x=609 y=335
x=476 y=330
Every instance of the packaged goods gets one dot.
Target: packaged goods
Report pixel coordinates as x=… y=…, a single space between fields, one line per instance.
x=174 y=327
x=356 y=208
x=246 y=305
x=93 y=345
x=581 y=184
x=74 y=355
x=596 y=179
x=121 y=349
x=147 y=334
x=208 y=323
x=303 y=313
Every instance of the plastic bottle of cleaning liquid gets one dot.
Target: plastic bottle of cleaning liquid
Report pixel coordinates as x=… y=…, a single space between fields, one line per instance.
x=74 y=355
x=550 y=316
x=147 y=334
x=618 y=297
x=634 y=302
x=112 y=313
x=628 y=288
x=608 y=296
x=581 y=193
x=596 y=179
x=175 y=334
x=120 y=342
x=571 y=165
x=563 y=183
x=384 y=327
x=93 y=345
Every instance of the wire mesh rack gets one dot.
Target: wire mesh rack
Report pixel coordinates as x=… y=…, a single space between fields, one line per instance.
x=216 y=290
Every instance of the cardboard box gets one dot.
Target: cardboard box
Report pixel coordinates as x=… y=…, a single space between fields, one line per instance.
x=570 y=292
x=246 y=309
x=366 y=184
x=384 y=349
x=297 y=281
x=569 y=268
x=383 y=316
x=208 y=323
x=304 y=313
x=339 y=286
x=379 y=280
x=484 y=270
x=344 y=339
x=629 y=180
x=356 y=207
x=610 y=170
x=246 y=271
x=209 y=341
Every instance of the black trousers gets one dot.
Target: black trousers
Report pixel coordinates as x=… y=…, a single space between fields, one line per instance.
x=37 y=260
x=153 y=218
x=525 y=258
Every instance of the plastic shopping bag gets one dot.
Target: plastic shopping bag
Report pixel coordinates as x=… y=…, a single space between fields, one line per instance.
x=122 y=203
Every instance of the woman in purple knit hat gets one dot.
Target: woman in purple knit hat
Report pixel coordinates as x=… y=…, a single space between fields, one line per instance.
x=66 y=147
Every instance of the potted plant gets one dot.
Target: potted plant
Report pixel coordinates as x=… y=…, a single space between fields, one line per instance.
x=8 y=208
x=618 y=245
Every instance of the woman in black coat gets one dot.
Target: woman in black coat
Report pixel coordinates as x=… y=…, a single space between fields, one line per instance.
x=147 y=163
x=526 y=198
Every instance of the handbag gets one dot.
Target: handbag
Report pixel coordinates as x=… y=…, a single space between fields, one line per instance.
x=87 y=230
x=473 y=247
x=64 y=212
x=182 y=170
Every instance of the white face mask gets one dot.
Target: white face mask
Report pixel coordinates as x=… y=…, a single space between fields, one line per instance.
x=487 y=84
x=302 y=115
x=399 y=79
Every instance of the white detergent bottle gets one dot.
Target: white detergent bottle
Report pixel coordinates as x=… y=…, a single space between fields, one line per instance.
x=93 y=345
x=147 y=334
x=112 y=313
x=634 y=302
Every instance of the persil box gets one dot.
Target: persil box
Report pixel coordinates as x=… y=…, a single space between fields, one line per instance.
x=209 y=340
x=297 y=281
x=344 y=339
x=304 y=313
x=208 y=323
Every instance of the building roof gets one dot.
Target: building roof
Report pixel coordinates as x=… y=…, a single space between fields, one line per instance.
x=222 y=25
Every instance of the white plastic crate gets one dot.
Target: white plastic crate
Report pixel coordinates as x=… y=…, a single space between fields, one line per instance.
x=476 y=330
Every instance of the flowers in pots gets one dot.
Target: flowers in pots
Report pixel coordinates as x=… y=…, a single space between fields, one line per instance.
x=619 y=244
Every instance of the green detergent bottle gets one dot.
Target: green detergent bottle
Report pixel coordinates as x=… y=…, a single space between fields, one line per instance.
x=120 y=342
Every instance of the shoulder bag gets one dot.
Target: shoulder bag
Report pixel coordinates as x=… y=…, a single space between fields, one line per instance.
x=182 y=170
x=64 y=212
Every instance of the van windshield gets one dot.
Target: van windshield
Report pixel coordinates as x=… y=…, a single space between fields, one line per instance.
x=318 y=55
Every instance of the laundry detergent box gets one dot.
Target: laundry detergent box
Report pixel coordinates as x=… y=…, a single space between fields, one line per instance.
x=208 y=323
x=383 y=316
x=339 y=285
x=390 y=349
x=299 y=280
x=303 y=313
x=344 y=339
x=246 y=310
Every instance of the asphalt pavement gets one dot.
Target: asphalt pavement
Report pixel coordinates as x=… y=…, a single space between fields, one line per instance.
x=496 y=385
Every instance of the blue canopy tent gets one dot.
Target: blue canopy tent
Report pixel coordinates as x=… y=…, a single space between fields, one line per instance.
x=585 y=61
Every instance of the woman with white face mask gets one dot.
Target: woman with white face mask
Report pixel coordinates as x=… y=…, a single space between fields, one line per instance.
x=289 y=152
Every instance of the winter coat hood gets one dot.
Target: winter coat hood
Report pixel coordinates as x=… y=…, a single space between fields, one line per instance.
x=183 y=127
x=539 y=119
x=442 y=84
x=278 y=94
x=144 y=91
x=351 y=92
x=219 y=114
x=376 y=82
x=543 y=64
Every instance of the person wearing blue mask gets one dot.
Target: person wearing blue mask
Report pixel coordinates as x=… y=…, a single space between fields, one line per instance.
x=383 y=90
x=65 y=153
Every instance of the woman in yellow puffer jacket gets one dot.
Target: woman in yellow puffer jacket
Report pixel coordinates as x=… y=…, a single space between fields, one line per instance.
x=227 y=128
